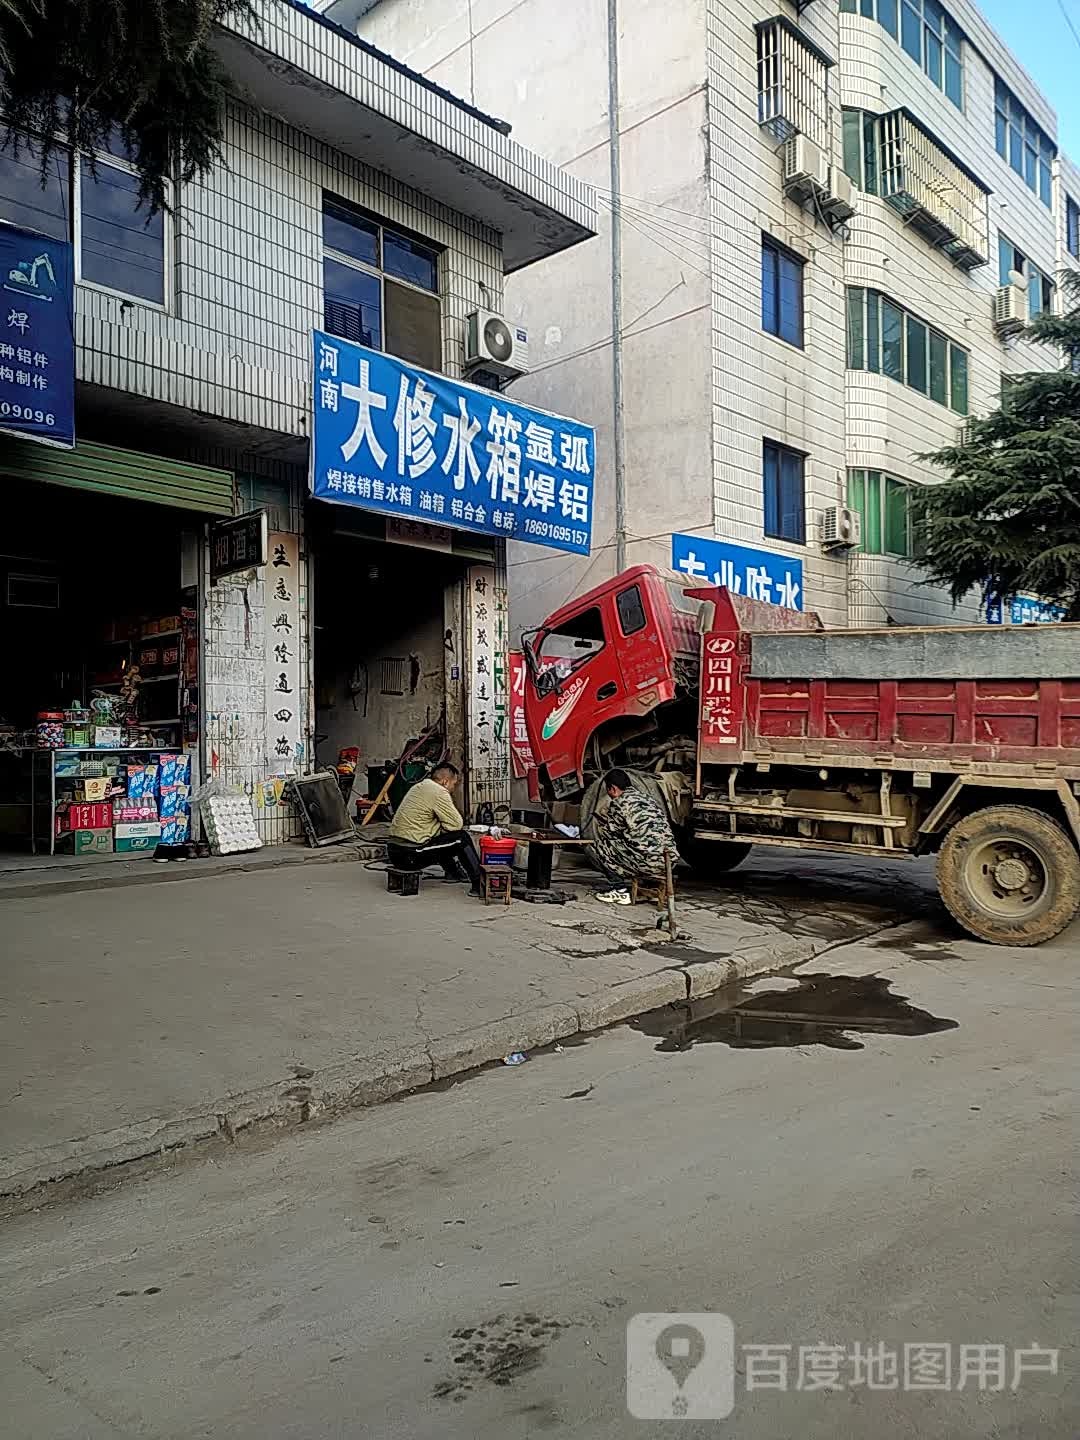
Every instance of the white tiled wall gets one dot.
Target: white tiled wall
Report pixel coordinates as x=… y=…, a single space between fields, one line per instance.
x=249 y=280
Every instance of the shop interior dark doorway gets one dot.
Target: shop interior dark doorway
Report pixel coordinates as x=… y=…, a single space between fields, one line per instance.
x=90 y=586
x=383 y=652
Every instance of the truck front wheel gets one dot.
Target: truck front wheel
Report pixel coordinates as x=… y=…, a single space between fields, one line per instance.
x=710 y=857
x=1009 y=875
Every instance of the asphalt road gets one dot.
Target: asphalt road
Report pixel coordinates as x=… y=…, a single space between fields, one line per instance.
x=465 y=1262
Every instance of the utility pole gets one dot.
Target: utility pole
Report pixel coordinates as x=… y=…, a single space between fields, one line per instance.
x=616 y=285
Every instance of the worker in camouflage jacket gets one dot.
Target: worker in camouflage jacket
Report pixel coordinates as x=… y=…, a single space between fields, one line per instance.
x=631 y=837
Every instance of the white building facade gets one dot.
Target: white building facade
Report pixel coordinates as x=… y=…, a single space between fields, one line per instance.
x=353 y=195
x=754 y=357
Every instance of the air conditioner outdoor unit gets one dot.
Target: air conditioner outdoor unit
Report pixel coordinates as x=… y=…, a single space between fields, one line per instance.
x=1010 y=309
x=494 y=345
x=839 y=203
x=806 y=169
x=841 y=528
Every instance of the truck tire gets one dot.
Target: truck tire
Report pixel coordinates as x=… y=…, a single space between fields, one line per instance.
x=1009 y=875
x=708 y=858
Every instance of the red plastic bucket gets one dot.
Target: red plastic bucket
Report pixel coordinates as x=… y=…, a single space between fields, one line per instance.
x=497 y=852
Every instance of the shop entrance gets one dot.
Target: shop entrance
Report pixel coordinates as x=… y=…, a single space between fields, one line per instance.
x=387 y=660
x=99 y=686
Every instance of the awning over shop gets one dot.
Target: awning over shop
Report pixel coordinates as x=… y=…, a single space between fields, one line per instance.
x=125 y=473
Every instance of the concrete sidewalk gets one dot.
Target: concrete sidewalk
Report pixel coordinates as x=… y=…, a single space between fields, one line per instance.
x=138 y=1020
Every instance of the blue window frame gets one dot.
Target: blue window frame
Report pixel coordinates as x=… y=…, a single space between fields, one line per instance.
x=781 y=292
x=1040 y=287
x=784 y=476
x=1072 y=227
x=380 y=287
x=927 y=32
x=1020 y=142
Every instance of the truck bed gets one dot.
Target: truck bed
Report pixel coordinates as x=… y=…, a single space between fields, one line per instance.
x=983 y=698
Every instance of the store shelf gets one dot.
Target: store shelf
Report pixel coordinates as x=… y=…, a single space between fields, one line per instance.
x=153 y=724
x=154 y=679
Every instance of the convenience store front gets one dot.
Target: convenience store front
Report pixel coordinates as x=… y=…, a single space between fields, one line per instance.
x=101 y=715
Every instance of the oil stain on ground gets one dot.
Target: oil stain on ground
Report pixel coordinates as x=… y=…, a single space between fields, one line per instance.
x=496 y=1352
x=823 y=1010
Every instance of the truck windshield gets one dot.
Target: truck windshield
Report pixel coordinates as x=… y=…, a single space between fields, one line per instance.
x=572 y=644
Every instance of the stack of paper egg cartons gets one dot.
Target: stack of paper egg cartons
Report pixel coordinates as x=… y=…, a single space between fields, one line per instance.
x=230 y=824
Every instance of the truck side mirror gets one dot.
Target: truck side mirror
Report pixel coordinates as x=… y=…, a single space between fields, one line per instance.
x=547 y=683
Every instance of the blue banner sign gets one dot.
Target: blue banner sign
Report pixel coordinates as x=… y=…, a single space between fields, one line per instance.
x=411 y=444
x=1024 y=610
x=37 y=342
x=758 y=574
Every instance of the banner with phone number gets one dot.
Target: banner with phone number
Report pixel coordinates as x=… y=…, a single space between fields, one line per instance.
x=405 y=442
x=37 y=342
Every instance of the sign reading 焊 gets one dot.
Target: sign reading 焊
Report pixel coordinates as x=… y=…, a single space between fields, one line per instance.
x=757 y=574
x=409 y=443
x=37 y=343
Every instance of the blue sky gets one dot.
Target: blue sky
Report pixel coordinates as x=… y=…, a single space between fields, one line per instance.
x=1039 y=36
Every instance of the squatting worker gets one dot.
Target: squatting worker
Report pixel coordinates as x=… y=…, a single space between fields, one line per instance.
x=631 y=837
x=427 y=829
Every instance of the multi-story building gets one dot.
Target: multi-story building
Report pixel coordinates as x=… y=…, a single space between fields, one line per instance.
x=353 y=195
x=823 y=226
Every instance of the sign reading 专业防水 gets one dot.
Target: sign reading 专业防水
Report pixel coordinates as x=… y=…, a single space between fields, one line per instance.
x=406 y=442
x=37 y=344
x=758 y=574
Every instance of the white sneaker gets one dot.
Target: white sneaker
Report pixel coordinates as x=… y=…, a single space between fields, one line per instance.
x=613 y=897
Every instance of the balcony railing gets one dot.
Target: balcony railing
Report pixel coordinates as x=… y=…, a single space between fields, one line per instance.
x=793 y=83
x=934 y=193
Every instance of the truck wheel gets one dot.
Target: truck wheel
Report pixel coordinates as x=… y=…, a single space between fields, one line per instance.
x=711 y=857
x=1009 y=875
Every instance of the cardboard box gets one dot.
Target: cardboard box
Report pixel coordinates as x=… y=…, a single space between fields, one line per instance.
x=93 y=842
x=108 y=737
x=136 y=845
x=168 y=623
x=95 y=787
x=138 y=830
x=85 y=815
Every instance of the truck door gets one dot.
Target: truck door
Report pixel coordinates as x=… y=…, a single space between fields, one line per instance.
x=583 y=656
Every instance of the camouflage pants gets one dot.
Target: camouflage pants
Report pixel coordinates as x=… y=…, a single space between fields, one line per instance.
x=631 y=838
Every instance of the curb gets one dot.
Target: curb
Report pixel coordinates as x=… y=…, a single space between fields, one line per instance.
x=163 y=874
x=370 y=1079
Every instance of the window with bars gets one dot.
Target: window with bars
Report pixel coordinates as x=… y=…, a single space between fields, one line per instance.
x=380 y=286
x=884 y=505
x=1013 y=262
x=1022 y=143
x=781 y=292
x=888 y=340
x=118 y=245
x=927 y=32
x=784 y=480
x=894 y=156
x=1072 y=227
x=793 y=82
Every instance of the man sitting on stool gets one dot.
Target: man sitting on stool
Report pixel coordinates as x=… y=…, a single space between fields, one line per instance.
x=427 y=829
x=631 y=838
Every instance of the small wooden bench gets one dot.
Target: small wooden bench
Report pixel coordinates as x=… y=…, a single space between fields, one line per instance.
x=498 y=883
x=660 y=890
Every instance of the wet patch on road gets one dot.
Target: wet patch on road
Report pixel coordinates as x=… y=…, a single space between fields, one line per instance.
x=824 y=1010
x=496 y=1352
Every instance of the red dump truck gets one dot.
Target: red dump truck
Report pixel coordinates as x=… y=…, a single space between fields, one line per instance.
x=759 y=726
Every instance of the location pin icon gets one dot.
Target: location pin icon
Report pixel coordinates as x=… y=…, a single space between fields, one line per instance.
x=680 y=1349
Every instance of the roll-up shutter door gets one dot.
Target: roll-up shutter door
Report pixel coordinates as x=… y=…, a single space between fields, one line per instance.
x=125 y=473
